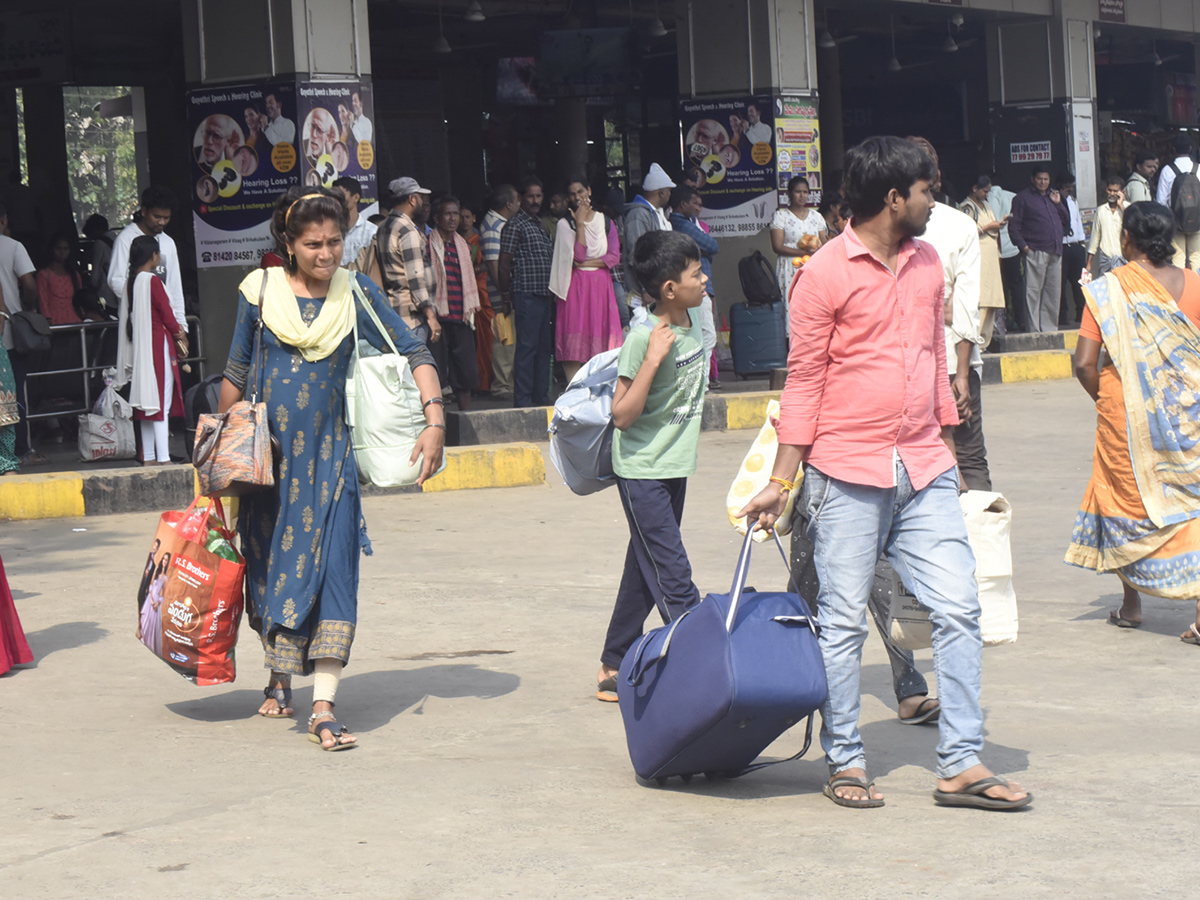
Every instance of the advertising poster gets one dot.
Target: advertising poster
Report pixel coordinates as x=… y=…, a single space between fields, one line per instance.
x=798 y=145
x=243 y=158
x=732 y=143
x=337 y=136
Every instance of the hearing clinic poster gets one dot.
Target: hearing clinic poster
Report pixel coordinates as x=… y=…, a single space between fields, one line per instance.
x=731 y=142
x=250 y=143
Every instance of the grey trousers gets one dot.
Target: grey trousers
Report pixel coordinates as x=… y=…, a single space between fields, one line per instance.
x=906 y=680
x=1043 y=289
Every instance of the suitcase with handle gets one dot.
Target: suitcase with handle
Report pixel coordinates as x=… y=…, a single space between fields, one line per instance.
x=758 y=338
x=710 y=691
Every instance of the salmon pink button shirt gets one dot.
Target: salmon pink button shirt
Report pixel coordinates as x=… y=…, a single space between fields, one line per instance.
x=867 y=365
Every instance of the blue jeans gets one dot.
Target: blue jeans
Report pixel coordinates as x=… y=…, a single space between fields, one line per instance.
x=535 y=343
x=924 y=537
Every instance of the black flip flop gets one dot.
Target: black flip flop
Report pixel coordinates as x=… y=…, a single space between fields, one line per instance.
x=973 y=796
x=1114 y=618
x=868 y=802
x=924 y=716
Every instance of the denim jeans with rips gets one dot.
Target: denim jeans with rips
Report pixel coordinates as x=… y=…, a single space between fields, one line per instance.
x=924 y=537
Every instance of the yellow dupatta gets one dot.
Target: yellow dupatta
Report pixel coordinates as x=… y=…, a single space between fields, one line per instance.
x=281 y=312
x=1156 y=349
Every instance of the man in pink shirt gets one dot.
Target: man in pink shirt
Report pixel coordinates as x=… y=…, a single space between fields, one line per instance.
x=868 y=409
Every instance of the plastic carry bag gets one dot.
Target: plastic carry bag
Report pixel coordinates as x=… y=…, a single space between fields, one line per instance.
x=754 y=475
x=581 y=429
x=107 y=431
x=989 y=521
x=190 y=599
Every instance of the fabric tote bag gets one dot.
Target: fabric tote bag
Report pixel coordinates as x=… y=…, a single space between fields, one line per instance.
x=235 y=452
x=190 y=600
x=383 y=410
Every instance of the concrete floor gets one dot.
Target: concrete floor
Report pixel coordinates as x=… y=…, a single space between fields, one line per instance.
x=486 y=769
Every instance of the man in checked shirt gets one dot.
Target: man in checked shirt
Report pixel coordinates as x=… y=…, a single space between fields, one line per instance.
x=402 y=258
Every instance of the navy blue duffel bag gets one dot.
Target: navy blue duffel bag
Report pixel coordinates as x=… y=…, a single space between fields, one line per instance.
x=710 y=691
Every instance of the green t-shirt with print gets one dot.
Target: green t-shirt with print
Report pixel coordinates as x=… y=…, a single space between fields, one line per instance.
x=663 y=442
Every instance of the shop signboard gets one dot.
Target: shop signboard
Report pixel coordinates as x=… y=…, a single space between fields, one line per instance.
x=731 y=141
x=1029 y=152
x=1112 y=11
x=797 y=145
x=337 y=136
x=243 y=158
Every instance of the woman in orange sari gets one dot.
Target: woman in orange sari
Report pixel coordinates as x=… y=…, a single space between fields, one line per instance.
x=1139 y=358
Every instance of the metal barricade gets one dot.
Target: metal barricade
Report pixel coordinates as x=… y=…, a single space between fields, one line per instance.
x=92 y=366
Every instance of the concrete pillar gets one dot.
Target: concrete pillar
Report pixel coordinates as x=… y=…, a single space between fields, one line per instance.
x=274 y=39
x=46 y=152
x=570 y=120
x=736 y=48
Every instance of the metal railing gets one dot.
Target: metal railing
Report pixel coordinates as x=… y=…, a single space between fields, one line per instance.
x=95 y=364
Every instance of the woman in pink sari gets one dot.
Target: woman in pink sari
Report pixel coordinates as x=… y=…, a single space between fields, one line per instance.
x=586 y=248
x=14 y=649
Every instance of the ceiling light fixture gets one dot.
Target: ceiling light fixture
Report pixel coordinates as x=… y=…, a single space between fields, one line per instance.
x=474 y=12
x=893 y=63
x=441 y=45
x=949 y=45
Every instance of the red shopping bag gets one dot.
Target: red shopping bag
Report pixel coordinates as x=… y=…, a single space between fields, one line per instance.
x=190 y=600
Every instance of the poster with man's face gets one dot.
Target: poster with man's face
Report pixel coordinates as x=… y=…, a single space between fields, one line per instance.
x=731 y=142
x=337 y=136
x=243 y=157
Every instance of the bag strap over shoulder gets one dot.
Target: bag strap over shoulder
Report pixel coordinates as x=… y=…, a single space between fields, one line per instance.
x=253 y=384
x=356 y=288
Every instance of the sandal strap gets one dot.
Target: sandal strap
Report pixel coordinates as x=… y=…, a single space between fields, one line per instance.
x=337 y=728
x=281 y=695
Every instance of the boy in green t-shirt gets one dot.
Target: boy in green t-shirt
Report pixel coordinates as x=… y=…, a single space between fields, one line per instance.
x=656 y=409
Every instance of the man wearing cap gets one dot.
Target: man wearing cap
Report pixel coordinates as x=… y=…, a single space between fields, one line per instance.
x=526 y=253
x=401 y=245
x=645 y=213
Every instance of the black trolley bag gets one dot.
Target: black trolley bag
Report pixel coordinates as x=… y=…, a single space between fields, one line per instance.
x=711 y=690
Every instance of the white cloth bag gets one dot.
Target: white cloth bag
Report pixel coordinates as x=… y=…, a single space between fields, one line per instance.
x=989 y=521
x=383 y=410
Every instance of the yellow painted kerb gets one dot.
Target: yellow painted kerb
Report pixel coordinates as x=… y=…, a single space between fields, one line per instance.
x=500 y=465
x=1071 y=340
x=53 y=496
x=1044 y=366
x=747 y=410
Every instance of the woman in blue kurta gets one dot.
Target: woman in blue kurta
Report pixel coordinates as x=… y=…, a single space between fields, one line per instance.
x=302 y=539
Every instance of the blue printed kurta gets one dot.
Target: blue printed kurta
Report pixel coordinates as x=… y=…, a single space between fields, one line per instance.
x=302 y=538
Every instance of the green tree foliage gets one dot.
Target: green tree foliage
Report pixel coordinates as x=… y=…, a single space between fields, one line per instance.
x=100 y=156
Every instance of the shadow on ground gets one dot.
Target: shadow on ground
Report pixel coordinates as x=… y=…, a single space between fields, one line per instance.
x=375 y=697
x=63 y=636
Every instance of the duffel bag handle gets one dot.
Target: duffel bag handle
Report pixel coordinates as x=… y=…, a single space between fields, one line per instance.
x=638 y=670
x=743 y=569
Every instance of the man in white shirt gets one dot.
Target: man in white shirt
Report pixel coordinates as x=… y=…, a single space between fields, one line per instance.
x=956 y=238
x=16 y=277
x=1073 y=258
x=1187 y=246
x=155 y=214
x=362 y=128
x=278 y=129
x=1012 y=274
x=361 y=232
x=759 y=131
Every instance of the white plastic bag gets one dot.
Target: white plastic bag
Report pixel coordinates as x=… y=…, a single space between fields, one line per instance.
x=755 y=473
x=107 y=432
x=989 y=520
